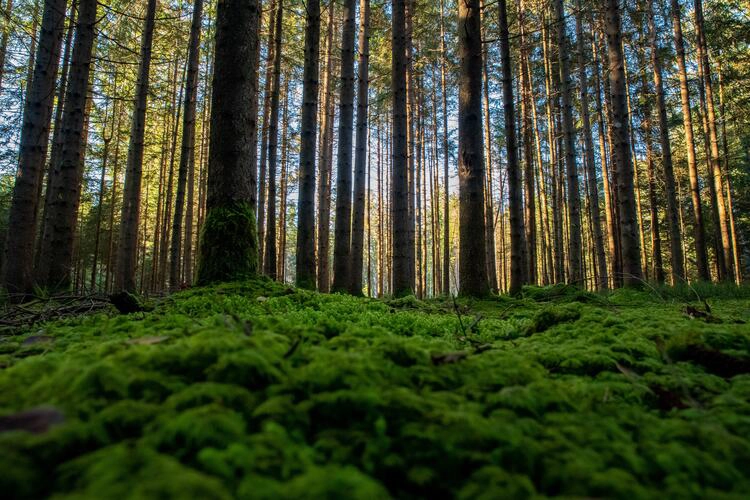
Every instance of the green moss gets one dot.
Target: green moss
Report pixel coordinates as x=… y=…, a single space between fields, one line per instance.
x=215 y=393
x=229 y=244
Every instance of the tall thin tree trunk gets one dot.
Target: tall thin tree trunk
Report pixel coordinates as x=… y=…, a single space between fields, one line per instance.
x=589 y=161
x=699 y=231
x=631 y=259
x=7 y=16
x=270 y=250
x=715 y=162
x=60 y=226
x=129 y=224
x=360 y=159
x=568 y=129
x=187 y=155
x=305 y=259
x=401 y=284
x=518 y=264
x=446 y=160
x=22 y=218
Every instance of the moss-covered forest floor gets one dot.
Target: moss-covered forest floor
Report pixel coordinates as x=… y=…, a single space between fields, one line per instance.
x=255 y=390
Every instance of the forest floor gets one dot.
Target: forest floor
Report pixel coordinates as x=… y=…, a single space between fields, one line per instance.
x=256 y=390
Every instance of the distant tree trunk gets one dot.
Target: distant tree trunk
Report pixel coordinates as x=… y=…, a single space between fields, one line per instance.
x=229 y=244
x=713 y=138
x=343 y=223
x=129 y=225
x=446 y=160
x=575 y=256
x=188 y=145
x=262 y=171
x=675 y=235
x=589 y=161
x=107 y=140
x=699 y=233
x=22 y=218
x=305 y=259
x=284 y=185
x=527 y=133
x=59 y=227
x=326 y=163
x=631 y=259
x=360 y=159
x=269 y=254
x=472 y=252
x=401 y=283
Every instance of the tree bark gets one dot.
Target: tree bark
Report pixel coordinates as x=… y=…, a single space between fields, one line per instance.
x=401 y=284
x=229 y=244
x=343 y=224
x=360 y=160
x=699 y=231
x=631 y=259
x=187 y=155
x=59 y=227
x=305 y=259
x=22 y=218
x=675 y=235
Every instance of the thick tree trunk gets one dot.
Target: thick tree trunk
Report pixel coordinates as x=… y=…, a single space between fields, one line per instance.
x=699 y=231
x=59 y=226
x=229 y=244
x=631 y=258
x=360 y=160
x=188 y=145
x=305 y=259
x=472 y=252
x=22 y=218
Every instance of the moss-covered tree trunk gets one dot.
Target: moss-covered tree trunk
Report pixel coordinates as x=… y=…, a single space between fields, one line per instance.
x=229 y=242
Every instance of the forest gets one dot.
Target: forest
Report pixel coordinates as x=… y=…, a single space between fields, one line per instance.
x=375 y=249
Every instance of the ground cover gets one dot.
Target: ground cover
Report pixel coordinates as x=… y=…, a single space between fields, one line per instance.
x=256 y=390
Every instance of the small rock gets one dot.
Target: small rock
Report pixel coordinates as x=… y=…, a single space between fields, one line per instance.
x=148 y=340
x=38 y=339
x=36 y=420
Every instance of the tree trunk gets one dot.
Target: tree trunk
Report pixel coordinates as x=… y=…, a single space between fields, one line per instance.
x=675 y=236
x=229 y=244
x=401 y=284
x=7 y=16
x=270 y=250
x=699 y=233
x=22 y=217
x=575 y=273
x=589 y=161
x=326 y=164
x=360 y=160
x=472 y=252
x=715 y=163
x=59 y=227
x=446 y=160
x=305 y=259
x=631 y=258
x=343 y=224
x=129 y=225
x=188 y=145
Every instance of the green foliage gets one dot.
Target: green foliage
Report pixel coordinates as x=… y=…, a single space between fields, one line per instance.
x=255 y=390
x=229 y=244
